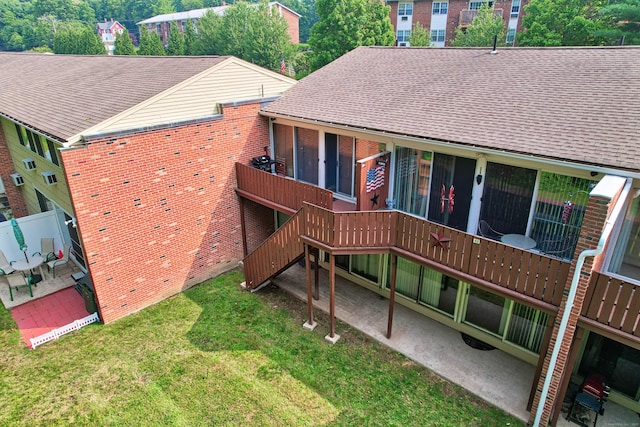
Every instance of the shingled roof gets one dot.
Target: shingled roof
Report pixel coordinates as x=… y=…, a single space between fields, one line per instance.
x=575 y=104
x=62 y=95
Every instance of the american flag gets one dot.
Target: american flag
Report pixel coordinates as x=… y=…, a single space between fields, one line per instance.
x=283 y=66
x=375 y=178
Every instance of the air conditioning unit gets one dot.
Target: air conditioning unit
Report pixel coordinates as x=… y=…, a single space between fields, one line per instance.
x=49 y=178
x=402 y=44
x=404 y=18
x=29 y=164
x=17 y=179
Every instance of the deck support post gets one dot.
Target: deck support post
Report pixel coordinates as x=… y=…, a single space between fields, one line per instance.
x=392 y=294
x=243 y=227
x=310 y=324
x=316 y=262
x=332 y=337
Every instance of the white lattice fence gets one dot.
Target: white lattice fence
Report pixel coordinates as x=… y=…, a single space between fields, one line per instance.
x=54 y=334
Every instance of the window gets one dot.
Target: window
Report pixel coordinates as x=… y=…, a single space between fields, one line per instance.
x=515 y=8
x=413 y=171
x=183 y=26
x=403 y=35
x=437 y=35
x=511 y=35
x=475 y=5
x=626 y=255
x=405 y=9
x=20 y=135
x=158 y=29
x=53 y=153
x=440 y=8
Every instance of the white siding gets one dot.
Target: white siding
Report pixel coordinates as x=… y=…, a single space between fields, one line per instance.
x=199 y=97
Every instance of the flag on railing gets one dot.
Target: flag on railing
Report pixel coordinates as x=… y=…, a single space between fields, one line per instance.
x=283 y=66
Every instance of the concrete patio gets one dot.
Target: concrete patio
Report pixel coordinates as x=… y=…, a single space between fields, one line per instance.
x=497 y=377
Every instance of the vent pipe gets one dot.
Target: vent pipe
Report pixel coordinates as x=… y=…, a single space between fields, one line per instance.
x=495 y=45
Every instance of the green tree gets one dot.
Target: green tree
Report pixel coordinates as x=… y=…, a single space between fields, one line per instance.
x=176 y=45
x=190 y=40
x=419 y=36
x=622 y=19
x=150 y=43
x=250 y=32
x=344 y=25
x=484 y=27
x=123 y=44
x=77 y=39
x=562 y=23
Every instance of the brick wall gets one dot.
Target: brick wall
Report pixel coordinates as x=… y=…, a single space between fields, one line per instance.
x=596 y=214
x=14 y=195
x=157 y=210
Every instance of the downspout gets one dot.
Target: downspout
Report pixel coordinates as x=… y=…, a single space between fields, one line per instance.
x=572 y=296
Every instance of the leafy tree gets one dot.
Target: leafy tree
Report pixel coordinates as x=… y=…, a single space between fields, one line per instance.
x=251 y=32
x=123 y=44
x=419 y=36
x=190 y=40
x=150 y=43
x=346 y=24
x=77 y=39
x=562 y=23
x=622 y=19
x=483 y=29
x=176 y=45
x=208 y=30
x=41 y=49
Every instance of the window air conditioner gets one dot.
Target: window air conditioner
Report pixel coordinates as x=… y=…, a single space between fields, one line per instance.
x=17 y=179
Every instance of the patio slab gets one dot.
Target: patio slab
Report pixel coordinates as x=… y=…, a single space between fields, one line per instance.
x=497 y=377
x=47 y=286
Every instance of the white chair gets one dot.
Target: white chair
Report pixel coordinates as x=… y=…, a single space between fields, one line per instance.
x=46 y=249
x=56 y=262
x=4 y=264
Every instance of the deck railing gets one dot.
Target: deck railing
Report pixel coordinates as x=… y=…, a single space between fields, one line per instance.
x=522 y=272
x=263 y=187
x=613 y=302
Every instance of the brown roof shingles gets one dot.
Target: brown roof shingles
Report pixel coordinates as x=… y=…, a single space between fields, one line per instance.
x=62 y=95
x=575 y=104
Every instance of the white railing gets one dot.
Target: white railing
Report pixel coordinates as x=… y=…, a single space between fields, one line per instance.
x=54 y=334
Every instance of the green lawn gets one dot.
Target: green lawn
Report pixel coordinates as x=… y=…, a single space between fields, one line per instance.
x=215 y=355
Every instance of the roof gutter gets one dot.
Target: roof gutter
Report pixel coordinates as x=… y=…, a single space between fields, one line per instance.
x=604 y=237
x=471 y=147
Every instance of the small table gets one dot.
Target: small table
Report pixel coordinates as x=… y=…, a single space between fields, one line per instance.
x=519 y=240
x=35 y=261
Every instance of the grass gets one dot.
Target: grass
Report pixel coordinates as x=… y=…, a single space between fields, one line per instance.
x=217 y=356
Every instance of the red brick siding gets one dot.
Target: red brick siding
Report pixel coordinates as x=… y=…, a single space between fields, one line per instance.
x=293 y=25
x=595 y=217
x=422 y=14
x=157 y=210
x=260 y=224
x=14 y=195
x=365 y=148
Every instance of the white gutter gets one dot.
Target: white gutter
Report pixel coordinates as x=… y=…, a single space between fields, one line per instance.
x=617 y=210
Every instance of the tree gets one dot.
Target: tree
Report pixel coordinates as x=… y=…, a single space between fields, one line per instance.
x=190 y=39
x=562 y=23
x=175 y=47
x=150 y=43
x=419 y=36
x=483 y=29
x=622 y=20
x=250 y=32
x=78 y=40
x=123 y=44
x=344 y=25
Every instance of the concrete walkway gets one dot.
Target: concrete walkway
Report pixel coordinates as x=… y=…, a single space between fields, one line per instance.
x=497 y=377
x=500 y=379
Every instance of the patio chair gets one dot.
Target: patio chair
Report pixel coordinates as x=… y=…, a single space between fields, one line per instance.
x=17 y=281
x=60 y=261
x=485 y=230
x=47 y=251
x=5 y=265
x=561 y=248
